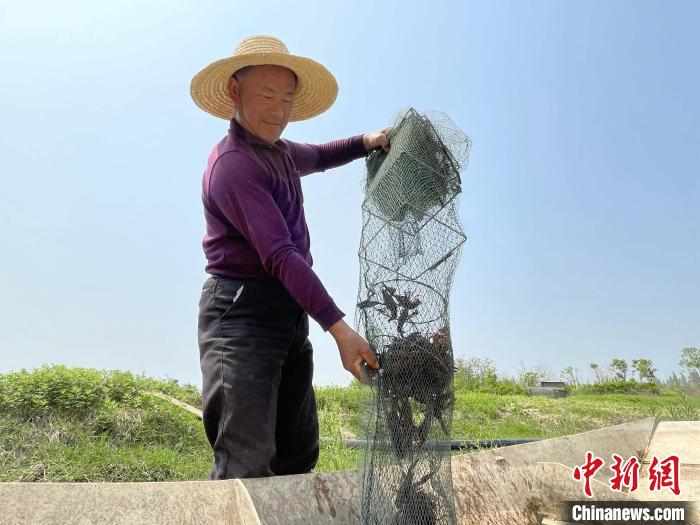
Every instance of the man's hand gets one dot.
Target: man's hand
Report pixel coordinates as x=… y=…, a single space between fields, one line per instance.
x=353 y=349
x=376 y=139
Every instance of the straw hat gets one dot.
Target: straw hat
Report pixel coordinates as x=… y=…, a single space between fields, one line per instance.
x=316 y=87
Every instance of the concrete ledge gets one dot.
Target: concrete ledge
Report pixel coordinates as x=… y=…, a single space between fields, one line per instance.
x=680 y=438
x=161 y=503
x=307 y=498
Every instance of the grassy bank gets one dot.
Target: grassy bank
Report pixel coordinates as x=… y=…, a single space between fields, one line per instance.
x=59 y=424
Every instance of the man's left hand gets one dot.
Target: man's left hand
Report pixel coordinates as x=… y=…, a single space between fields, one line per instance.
x=376 y=139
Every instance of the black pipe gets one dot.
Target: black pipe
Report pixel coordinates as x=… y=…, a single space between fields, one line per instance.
x=471 y=444
x=491 y=443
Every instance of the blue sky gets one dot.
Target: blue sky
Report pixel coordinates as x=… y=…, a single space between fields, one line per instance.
x=581 y=199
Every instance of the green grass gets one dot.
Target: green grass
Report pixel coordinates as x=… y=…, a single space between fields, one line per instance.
x=480 y=415
x=60 y=424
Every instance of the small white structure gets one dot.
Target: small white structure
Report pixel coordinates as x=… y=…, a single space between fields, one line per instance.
x=549 y=389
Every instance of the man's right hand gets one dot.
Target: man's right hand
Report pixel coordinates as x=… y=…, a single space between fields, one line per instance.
x=354 y=350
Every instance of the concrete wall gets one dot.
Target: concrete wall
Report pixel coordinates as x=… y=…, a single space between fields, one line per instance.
x=200 y=502
x=500 y=486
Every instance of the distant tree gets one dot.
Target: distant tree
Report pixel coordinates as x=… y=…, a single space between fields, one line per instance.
x=690 y=359
x=645 y=369
x=528 y=377
x=570 y=376
x=544 y=373
x=475 y=372
x=619 y=368
x=676 y=381
x=597 y=373
x=694 y=377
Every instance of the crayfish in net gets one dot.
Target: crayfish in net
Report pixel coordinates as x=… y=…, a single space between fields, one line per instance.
x=419 y=369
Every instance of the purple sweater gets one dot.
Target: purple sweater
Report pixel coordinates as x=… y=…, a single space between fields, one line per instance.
x=253 y=205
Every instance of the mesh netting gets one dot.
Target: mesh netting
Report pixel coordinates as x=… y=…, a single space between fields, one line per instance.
x=410 y=246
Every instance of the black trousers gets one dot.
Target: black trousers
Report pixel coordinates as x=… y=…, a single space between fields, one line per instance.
x=258 y=403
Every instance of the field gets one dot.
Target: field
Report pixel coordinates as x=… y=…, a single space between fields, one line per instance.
x=60 y=424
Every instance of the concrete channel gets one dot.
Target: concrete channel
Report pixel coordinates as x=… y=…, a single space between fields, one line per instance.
x=521 y=484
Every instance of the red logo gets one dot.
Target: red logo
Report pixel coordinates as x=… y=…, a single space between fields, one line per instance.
x=665 y=474
x=626 y=475
x=662 y=473
x=587 y=471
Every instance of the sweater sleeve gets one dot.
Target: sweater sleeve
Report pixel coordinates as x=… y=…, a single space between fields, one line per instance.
x=311 y=158
x=240 y=188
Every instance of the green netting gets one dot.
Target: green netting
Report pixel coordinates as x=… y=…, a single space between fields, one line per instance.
x=410 y=246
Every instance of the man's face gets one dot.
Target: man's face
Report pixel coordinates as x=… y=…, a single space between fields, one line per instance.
x=264 y=96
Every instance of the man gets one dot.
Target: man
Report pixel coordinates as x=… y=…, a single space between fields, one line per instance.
x=259 y=408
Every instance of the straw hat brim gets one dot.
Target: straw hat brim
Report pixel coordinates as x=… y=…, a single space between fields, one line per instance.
x=316 y=91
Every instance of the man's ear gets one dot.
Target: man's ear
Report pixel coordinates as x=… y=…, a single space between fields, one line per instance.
x=233 y=89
